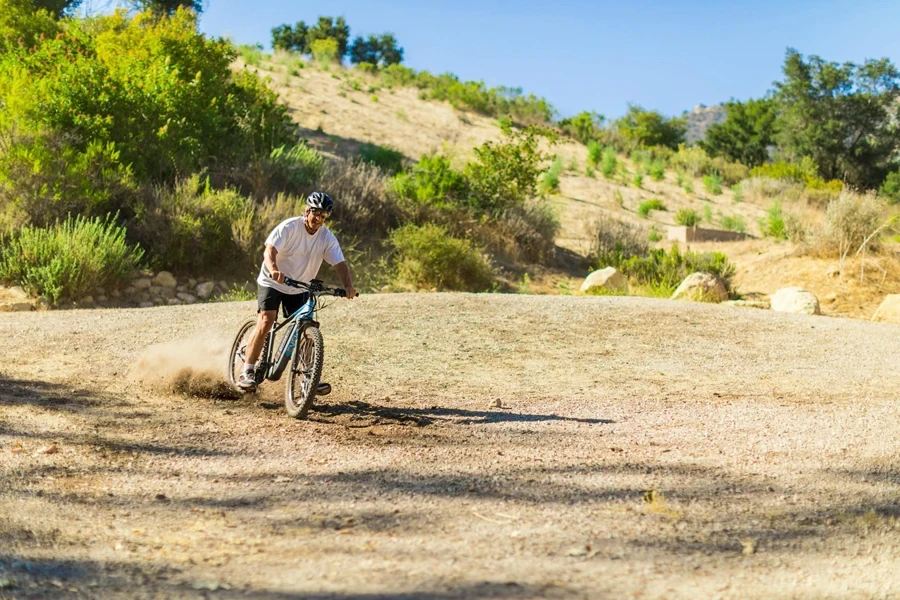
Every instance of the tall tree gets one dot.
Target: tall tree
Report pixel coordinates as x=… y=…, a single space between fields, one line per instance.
x=57 y=8
x=843 y=116
x=650 y=128
x=285 y=37
x=167 y=7
x=377 y=50
x=746 y=134
x=328 y=27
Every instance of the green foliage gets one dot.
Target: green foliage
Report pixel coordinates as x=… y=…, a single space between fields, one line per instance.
x=746 y=134
x=472 y=95
x=324 y=51
x=654 y=235
x=292 y=170
x=707 y=214
x=840 y=115
x=713 y=184
x=164 y=8
x=687 y=217
x=550 y=180
x=890 y=188
x=772 y=224
x=801 y=171
x=638 y=180
x=730 y=172
x=737 y=193
x=57 y=8
x=301 y=38
x=505 y=175
x=583 y=127
x=252 y=55
x=70 y=259
x=380 y=50
x=733 y=223
x=609 y=163
x=595 y=152
x=433 y=182
x=429 y=257
x=657 y=170
x=649 y=128
x=385 y=158
x=614 y=242
x=21 y=20
x=691 y=160
x=662 y=271
x=646 y=206
x=235 y=294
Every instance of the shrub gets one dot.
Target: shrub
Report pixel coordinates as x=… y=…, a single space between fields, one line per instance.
x=595 y=153
x=772 y=224
x=660 y=272
x=654 y=235
x=252 y=55
x=532 y=228
x=428 y=257
x=707 y=214
x=364 y=206
x=609 y=163
x=286 y=170
x=550 y=180
x=730 y=172
x=712 y=184
x=638 y=180
x=432 y=181
x=70 y=259
x=850 y=219
x=324 y=51
x=383 y=157
x=615 y=241
x=692 y=160
x=646 y=206
x=657 y=170
x=890 y=188
x=649 y=128
x=737 y=193
x=734 y=223
x=687 y=217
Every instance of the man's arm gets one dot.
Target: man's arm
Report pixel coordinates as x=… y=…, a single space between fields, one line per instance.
x=269 y=255
x=343 y=273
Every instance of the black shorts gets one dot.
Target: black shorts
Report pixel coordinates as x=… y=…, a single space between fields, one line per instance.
x=270 y=298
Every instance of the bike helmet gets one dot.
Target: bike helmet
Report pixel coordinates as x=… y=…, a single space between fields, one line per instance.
x=320 y=200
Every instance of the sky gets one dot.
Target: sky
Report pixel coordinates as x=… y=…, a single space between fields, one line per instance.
x=579 y=55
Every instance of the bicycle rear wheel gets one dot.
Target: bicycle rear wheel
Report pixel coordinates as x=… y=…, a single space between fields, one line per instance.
x=238 y=349
x=306 y=371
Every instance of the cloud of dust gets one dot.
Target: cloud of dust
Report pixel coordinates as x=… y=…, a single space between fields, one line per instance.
x=194 y=368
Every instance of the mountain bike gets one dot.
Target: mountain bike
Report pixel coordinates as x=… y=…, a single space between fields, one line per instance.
x=299 y=344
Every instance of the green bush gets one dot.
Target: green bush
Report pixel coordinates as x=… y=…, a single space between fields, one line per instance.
x=638 y=180
x=772 y=224
x=550 y=180
x=657 y=170
x=649 y=128
x=387 y=159
x=287 y=170
x=654 y=235
x=687 y=217
x=429 y=257
x=69 y=260
x=707 y=214
x=734 y=223
x=646 y=206
x=890 y=188
x=730 y=172
x=737 y=193
x=609 y=163
x=432 y=181
x=595 y=153
x=691 y=160
x=615 y=241
x=713 y=184
x=660 y=272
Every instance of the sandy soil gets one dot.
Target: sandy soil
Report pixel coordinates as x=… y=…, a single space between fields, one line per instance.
x=643 y=448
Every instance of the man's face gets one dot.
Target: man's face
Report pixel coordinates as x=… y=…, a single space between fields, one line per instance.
x=315 y=217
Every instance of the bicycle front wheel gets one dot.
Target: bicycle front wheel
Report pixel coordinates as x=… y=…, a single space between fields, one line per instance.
x=306 y=371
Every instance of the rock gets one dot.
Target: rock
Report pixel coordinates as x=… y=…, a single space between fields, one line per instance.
x=889 y=309
x=101 y=299
x=795 y=300
x=496 y=403
x=99 y=292
x=130 y=290
x=143 y=297
x=192 y=282
x=16 y=292
x=49 y=449
x=186 y=298
x=145 y=304
x=115 y=293
x=165 y=279
x=608 y=279
x=173 y=302
x=222 y=285
x=142 y=283
x=181 y=288
x=86 y=301
x=16 y=306
x=204 y=290
x=701 y=287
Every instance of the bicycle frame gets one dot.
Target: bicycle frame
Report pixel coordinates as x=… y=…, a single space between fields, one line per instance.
x=303 y=317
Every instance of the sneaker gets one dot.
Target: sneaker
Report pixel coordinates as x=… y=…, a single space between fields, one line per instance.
x=247 y=381
x=323 y=389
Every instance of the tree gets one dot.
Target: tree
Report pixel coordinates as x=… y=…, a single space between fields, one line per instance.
x=57 y=8
x=584 y=126
x=377 y=50
x=840 y=115
x=649 y=128
x=167 y=7
x=285 y=37
x=746 y=134
x=329 y=28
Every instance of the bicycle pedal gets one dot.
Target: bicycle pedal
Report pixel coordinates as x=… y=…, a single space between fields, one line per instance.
x=323 y=389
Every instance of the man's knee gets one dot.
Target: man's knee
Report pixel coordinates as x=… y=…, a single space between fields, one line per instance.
x=266 y=319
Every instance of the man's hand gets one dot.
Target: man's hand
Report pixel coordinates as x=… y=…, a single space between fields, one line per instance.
x=351 y=293
x=277 y=276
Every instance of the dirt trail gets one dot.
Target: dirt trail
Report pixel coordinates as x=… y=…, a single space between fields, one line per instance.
x=645 y=448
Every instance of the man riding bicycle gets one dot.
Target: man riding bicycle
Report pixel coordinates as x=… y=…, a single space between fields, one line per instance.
x=295 y=248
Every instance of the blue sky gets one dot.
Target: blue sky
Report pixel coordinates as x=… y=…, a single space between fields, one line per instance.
x=667 y=56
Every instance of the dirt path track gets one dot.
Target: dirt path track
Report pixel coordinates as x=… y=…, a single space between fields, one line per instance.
x=644 y=449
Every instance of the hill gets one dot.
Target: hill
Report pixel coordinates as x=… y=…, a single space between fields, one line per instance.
x=700 y=118
x=339 y=109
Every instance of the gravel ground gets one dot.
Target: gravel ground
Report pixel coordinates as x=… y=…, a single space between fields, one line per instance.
x=642 y=448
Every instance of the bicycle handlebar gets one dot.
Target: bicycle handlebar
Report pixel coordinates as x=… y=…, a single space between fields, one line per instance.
x=316 y=287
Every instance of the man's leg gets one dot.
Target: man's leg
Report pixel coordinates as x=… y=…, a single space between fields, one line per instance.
x=264 y=321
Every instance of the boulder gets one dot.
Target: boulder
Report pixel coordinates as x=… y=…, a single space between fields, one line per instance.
x=186 y=298
x=143 y=283
x=165 y=279
x=173 y=302
x=204 y=290
x=889 y=309
x=795 y=300
x=145 y=304
x=608 y=279
x=15 y=306
x=701 y=287
x=15 y=292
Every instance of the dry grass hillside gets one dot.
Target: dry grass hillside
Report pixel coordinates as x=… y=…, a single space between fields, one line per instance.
x=339 y=109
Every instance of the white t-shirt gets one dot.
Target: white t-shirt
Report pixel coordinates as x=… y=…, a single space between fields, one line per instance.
x=299 y=254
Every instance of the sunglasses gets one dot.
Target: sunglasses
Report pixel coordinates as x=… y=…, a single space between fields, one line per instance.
x=318 y=212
